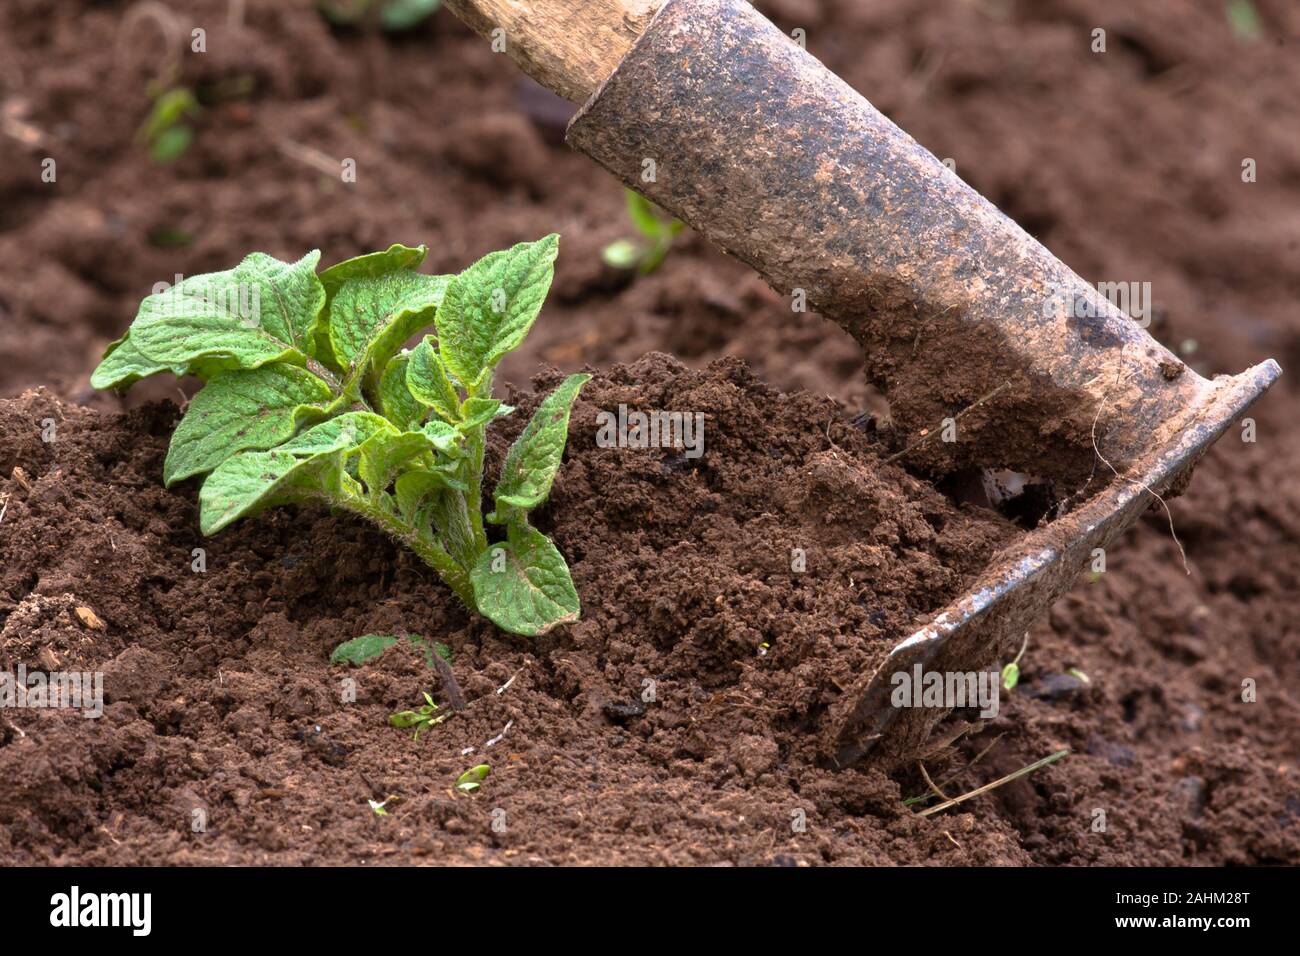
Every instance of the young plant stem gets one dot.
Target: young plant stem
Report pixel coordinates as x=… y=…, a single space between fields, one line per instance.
x=424 y=545
x=474 y=500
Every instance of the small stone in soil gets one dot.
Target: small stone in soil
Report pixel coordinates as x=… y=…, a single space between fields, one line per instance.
x=318 y=743
x=1055 y=687
x=620 y=712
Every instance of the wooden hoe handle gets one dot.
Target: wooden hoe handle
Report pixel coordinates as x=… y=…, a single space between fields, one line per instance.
x=568 y=46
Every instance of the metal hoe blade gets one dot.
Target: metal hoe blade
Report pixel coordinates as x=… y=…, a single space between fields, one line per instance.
x=723 y=120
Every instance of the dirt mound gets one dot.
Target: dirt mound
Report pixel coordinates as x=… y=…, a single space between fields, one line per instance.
x=691 y=689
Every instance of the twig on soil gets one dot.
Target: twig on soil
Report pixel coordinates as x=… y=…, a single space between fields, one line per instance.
x=172 y=32
x=4 y=505
x=930 y=783
x=16 y=127
x=996 y=783
x=309 y=156
x=449 y=683
x=1133 y=481
x=506 y=686
x=978 y=757
x=934 y=431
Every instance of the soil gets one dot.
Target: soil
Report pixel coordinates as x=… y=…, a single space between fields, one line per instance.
x=695 y=682
x=1126 y=164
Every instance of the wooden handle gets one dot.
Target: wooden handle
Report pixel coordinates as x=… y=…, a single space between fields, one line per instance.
x=568 y=46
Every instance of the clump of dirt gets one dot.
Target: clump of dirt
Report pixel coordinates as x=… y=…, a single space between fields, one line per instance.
x=728 y=597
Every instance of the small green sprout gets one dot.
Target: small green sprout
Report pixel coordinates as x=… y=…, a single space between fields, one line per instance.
x=166 y=132
x=1011 y=673
x=469 y=781
x=359 y=650
x=645 y=253
x=392 y=15
x=311 y=399
x=1079 y=675
x=421 y=719
x=1244 y=20
x=378 y=805
x=1011 y=676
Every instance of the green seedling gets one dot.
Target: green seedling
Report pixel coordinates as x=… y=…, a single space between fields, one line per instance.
x=379 y=805
x=469 y=781
x=1011 y=673
x=422 y=719
x=1244 y=20
x=1011 y=676
x=646 y=252
x=166 y=133
x=311 y=399
x=359 y=650
x=392 y=15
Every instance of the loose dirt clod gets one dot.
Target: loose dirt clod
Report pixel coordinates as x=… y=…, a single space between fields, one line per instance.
x=90 y=619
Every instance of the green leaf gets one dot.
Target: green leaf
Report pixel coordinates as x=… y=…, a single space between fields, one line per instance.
x=621 y=254
x=643 y=214
x=446 y=438
x=523 y=585
x=262 y=311
x=392 y=259
x=361 y=649
x=371 y=264
x=122 y=364
x=384 y=454
x=395 y=399
x=371 y=317
x=489 y=308
x=403 y=14
x=1011 y=675
x=479 y=411
x=414 y=489
x=469 y=780
x=343 y=433
x=240 y=410
x=534 y=458
x=427 y=380
x=171 y=144
x=253 y=481
x=308 y=467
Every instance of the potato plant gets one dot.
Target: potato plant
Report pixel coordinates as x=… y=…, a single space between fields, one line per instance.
x=310 y=398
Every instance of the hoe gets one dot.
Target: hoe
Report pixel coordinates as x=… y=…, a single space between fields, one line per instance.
x=710 y=111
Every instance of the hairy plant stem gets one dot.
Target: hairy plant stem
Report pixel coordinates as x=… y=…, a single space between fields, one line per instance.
x=422 y=543
x=476 y=446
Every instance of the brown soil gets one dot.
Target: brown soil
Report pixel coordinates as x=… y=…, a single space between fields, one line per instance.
x=221 y=696
x=1126 y=164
